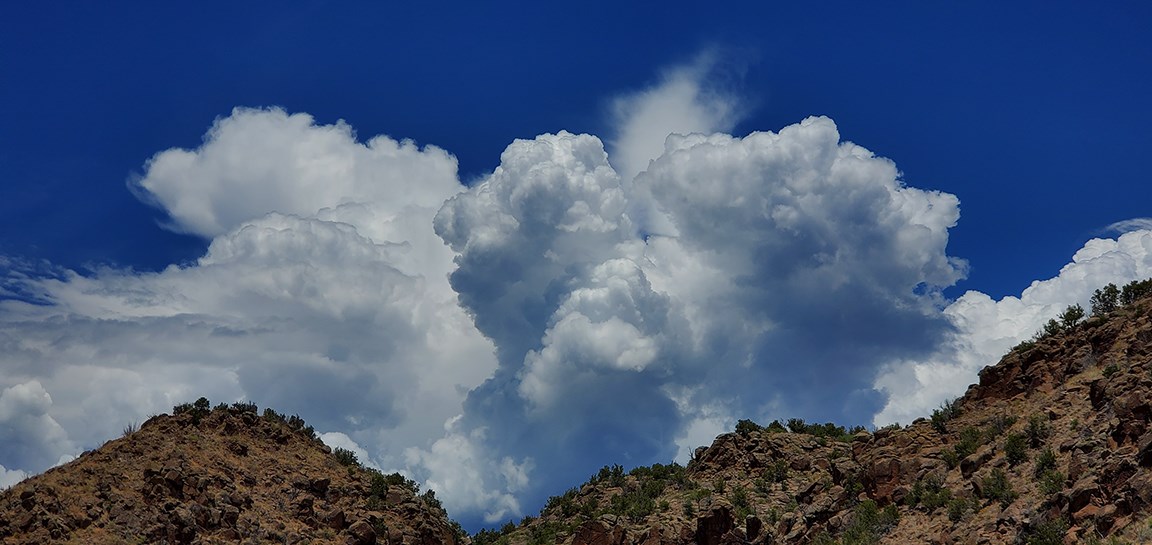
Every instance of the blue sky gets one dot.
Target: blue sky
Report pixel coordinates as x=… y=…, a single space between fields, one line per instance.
x=1032 y=115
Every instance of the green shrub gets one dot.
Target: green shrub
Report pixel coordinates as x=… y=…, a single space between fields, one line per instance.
x=999 y=424
x=969 y=441
x=638 y=500
x=197 y=410
x=1052 y=327
x=959 y=508
x=611 y=475
x=1104 y=300
x=718 y=484
x=1037 y=430
x=1049 y=532
x=928 y=493
x=947 y=411
x=739 y=499
x=869 y=523
x=1135 y=290
x=244 y=407
x=1024 y=346
x=746 y=427
x=563 y=505
x=379 y=487
x=544 y=533
x=995 y=486
x=345 y=457
x=951 y=459
x=1045 y=461
x=1071 y=317
x=1015 y=450
x=1051 y=481
x=430 y=499
x=1110 y=370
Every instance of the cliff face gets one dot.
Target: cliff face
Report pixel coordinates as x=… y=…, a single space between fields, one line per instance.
x=1054 y=445
x=219 y=476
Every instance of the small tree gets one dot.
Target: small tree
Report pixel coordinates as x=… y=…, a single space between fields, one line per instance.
x=345 y=457
x=948 y=410
x=1014 y=449
x=1071 y=316
x=1135 y=290
x=1104 y=300
x=746 y=427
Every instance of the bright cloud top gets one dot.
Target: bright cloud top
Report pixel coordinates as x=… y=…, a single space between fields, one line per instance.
x=500 y=342
x=780 y=248
x=324 y=292
x=985 y=329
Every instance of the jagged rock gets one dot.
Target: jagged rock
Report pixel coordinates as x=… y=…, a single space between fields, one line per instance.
x=1096 y=423
x=334 y=519
x=180 y=482
x=597 y=532
x=361 y=533
x=711 y=528
x=320 y=486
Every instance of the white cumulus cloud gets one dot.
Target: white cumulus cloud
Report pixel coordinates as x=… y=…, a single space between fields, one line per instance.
x=323 y=292
x=985 y=329
x=578 y=306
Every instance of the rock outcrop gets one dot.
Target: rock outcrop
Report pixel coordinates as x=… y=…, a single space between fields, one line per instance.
x=225 y=475
x=1054 y=445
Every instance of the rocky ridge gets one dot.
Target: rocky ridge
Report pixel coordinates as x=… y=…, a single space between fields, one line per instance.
x=223 y=475
x=1053 y=445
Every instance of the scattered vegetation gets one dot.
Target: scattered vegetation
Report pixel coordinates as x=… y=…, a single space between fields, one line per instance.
x=827 y=430
x=999 y=424
x=1051 y=482
x=776 y=472
x=960 y=508
x=928 y=493
x=130 y=429
x=940 y=417
x=1037 y=430
x=995 y=486
x=346 y=457
x=1015 y=450
x=197 y=410
x=969 y=441
x=545 y=533
x=740 y=502
x=1105 y=300
x=640 y=489
x=1049 y=532
x=1135 y=290
x=1045 y=461
x=869 y=523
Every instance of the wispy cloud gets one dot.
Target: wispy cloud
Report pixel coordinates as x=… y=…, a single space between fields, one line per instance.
x=1129 y=225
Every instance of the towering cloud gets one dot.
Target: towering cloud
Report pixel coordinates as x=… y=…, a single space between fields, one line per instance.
x=500 y=342
x=785 y=258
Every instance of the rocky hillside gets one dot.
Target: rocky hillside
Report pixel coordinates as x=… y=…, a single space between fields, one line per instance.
x=1054 y=445
x=223 y=475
